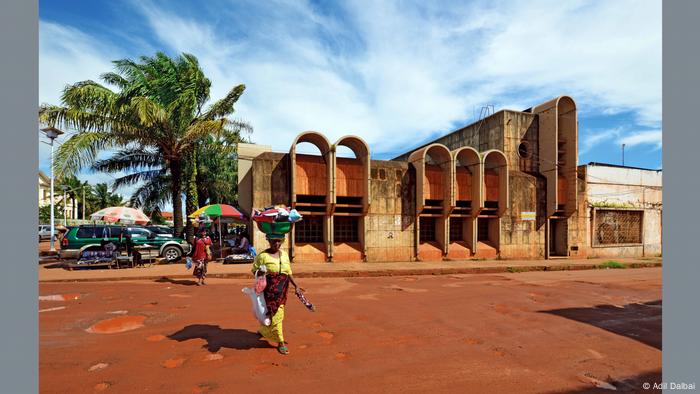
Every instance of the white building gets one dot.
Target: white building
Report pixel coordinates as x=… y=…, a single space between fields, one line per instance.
x=623 y=210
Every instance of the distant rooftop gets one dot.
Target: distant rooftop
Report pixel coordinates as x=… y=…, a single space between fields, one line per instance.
x=593 y=163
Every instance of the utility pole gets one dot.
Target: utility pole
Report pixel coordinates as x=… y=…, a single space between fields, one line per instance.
x=83 y=202
x=623 y=154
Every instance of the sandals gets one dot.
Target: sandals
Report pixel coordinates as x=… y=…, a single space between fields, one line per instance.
x=282 y=348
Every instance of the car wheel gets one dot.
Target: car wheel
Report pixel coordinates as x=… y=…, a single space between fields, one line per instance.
x=172 y=253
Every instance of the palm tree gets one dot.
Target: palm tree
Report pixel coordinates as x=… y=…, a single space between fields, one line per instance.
x=73 y=187
x=105 y=198
x=217 y=172
x=156 y=118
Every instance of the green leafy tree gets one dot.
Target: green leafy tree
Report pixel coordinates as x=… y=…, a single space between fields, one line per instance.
x=155 y=118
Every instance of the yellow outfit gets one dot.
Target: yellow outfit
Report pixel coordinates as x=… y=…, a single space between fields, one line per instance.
x=273 y=265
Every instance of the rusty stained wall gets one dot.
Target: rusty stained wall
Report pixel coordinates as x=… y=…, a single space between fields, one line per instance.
x=627 y=188
x=521 y=127
x=270 y=172
x=390 y=221
x=523 y=238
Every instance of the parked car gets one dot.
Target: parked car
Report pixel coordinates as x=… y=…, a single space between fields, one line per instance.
x=83 y=237
x=163 y=231
x=45 y=231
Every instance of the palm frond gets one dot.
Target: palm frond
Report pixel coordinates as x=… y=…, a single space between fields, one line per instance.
x=129 y=160
x=134 y=178
x=224 y=107
x=80 y=150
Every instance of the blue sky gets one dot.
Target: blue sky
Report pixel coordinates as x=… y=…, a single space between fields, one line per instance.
x=396 y=73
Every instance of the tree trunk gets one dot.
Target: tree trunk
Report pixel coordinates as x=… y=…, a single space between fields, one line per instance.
x=176 y=173
x=191 y=200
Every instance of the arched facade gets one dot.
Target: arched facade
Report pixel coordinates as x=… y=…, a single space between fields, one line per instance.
x=351 y=178
x=434 y=198
x=468 y=202
x=496 y=201
x=312 y=194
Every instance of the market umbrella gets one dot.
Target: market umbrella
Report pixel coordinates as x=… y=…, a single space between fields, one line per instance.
x=220 y=212
x=123 y=215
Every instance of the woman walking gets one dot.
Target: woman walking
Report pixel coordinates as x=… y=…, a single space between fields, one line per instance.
x=278 y=276
x=201 y=256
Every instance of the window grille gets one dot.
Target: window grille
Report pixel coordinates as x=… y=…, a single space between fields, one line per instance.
x=345 y=229
x=614 y=227
x=308 y=230
x=456 y=229
x=427 y=229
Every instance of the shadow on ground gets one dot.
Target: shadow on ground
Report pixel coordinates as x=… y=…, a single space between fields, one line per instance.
x=216 y=337
x=641 y=322
x=633 y=384
x=184 y=282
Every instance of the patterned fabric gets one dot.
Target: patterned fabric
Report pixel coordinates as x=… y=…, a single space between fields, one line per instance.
x=304 y=301
x=200 y=269
x=276 y=292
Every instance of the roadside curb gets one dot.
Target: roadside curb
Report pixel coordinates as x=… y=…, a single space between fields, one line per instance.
x=379 y=273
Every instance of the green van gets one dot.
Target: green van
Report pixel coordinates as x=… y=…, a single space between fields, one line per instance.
x=87 y=236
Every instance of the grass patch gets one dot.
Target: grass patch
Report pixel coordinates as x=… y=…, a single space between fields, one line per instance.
x=514 y=269
x=611 y=264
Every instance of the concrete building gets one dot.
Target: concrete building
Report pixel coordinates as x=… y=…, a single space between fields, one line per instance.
x=507 y=186
x=621 y=209
x=45 y=196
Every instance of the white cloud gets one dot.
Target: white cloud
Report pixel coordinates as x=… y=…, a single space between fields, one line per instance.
x=647 y=137
x=593 y=139
x=395 y=72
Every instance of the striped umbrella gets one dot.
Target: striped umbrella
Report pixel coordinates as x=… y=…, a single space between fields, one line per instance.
x=124 y=215
x=216 y=211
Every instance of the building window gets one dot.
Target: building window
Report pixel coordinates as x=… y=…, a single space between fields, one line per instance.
x=456 y=227
x=345 y=229
x=615 y=227
x=309 y=230
x=427 y=229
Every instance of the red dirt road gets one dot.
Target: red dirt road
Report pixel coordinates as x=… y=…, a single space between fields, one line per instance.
x=570 y=331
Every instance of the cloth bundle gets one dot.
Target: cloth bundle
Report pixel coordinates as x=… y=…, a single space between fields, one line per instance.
x=276 y=219
x=276 y=214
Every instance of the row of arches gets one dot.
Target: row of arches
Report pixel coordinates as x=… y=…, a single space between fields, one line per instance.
x=460 y=197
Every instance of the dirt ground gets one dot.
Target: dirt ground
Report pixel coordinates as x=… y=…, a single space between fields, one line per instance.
x=544 y=332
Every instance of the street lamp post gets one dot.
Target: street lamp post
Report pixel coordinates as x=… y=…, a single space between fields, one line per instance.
x=52 y=133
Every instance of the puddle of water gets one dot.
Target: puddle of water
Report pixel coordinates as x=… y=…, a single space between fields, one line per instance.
x=118 y=312
x=117 y=324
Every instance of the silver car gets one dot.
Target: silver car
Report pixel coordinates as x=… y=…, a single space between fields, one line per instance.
x=45 y=231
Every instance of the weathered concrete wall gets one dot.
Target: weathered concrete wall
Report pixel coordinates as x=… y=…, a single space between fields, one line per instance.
x=522 y=238
x=390 y=222
x=270 y=185
x=610 y=187
x=482 y=136
x=521 y=127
